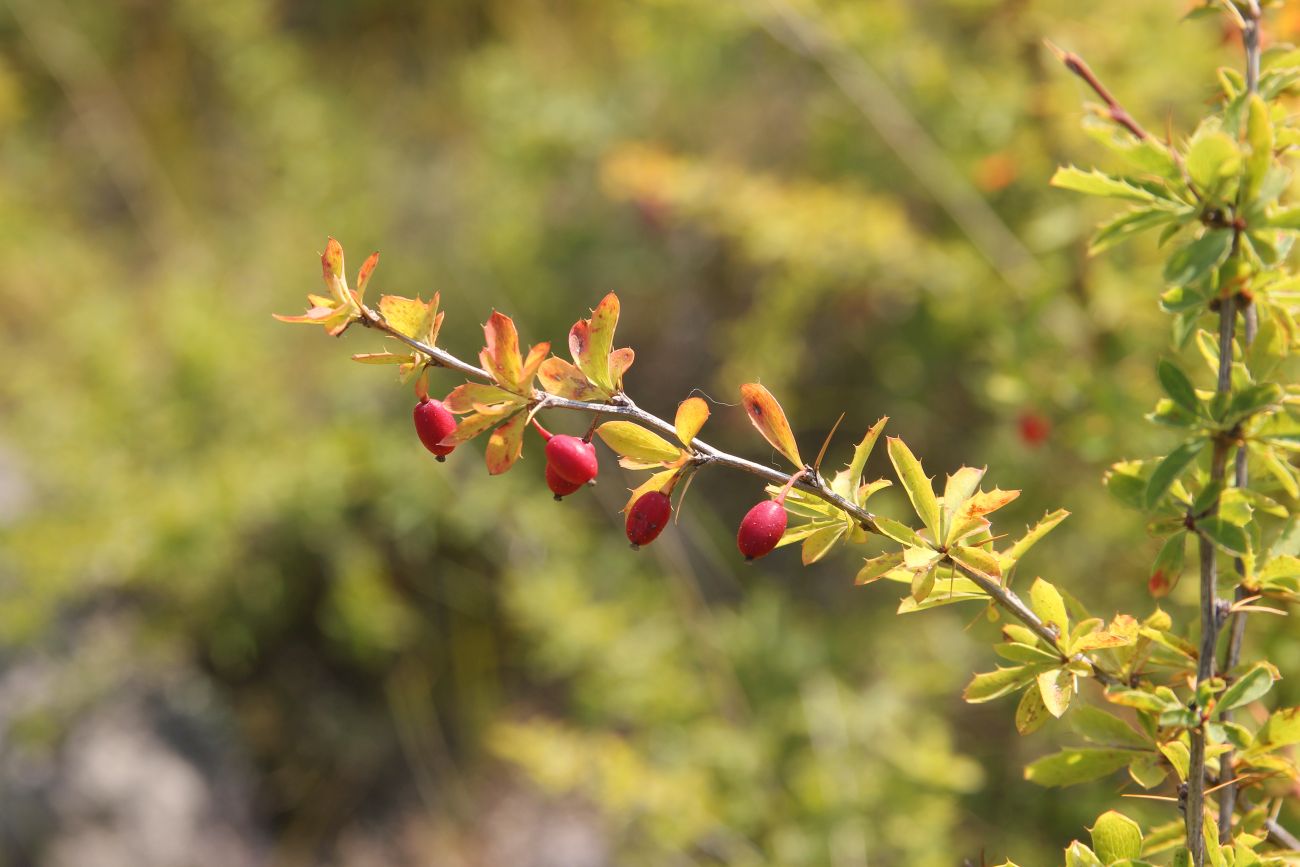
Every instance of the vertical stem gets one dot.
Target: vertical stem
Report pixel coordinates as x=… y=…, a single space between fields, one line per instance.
x=1250 y=325
x=1210 y=617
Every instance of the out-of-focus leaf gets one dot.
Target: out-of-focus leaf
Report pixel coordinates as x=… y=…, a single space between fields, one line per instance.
x=1057 y=689
x=1031 y=713
x=1095 y=183
x=768 y=417
x=1073 y=766
x=1194 y=260
x=1044 y=526
x=1212 y=156
x=1169 y=469
x=1227 y=537
x=995 y=684
x=1116 y=837
x=1106 y=729
x=1178 y=386
x=1252 y=685
x=1168 y=567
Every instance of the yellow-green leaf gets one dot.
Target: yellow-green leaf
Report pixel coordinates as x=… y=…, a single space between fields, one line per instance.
x=1057 y=688
x=1031 y=713
x=409 y=316
x=978 y=559
x=767 y=415
x=916 y=483
x=630 y=440
x=1116 y=837
x=861 y=452
x=1047 y=603
x=562 y=379
x=819 y=544
x=505 y=444
x=692 y=413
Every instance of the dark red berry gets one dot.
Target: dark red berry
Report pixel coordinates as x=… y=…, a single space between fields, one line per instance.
x=761 y=529
x=648 y=517
x=1034 y=428
x=572 y=459
x=434 y=422
x=560 y=487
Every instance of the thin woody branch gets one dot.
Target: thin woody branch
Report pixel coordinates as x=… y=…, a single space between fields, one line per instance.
x=811 y=482
x=1114 y=110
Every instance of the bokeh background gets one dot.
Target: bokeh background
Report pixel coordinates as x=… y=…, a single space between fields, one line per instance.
x=246 y=619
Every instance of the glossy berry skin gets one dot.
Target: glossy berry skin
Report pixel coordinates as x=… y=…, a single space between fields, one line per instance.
x=761 y=529
x=572 y=459
x=434 y=422
x=648 y=517
x=559 y=486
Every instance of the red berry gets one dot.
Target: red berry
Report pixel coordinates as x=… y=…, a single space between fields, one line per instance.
x=434 y=422
x=1034 y=428
x=648 y=517
x=560 y=487
x=572 y=459
x=761 y=529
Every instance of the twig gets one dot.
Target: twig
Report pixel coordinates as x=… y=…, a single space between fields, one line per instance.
x=705 y=455
x=1114 y=109
x=1250 y=326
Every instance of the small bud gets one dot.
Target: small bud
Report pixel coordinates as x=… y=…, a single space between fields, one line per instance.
x=648 y=517
x=434 y=423
x=761 y=529
x=572 y=459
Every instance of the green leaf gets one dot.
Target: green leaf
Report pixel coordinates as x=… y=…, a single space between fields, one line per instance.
x=1147 y=770
x=1106 y=729
x=995 y=684
x=1178 y=386
x=1127 y=225
x=819 y=544
x=1178 y=755
x=916 y=483
x=1250 y=686
x=1116 y=837
x=1169 y=469
x=862 y=451
x=1031 y=713
x=1168 y=567
x=1079 y=855
x=977 y=559
x=1057 y=689
x=878 y=566
x=1072 y=766
x=1095 y=183
x=1259 y=135
x=1250 y=400
x=1194 y=260
x=1213 y=156
x=630 y=440
x=1047 y=603
x=900 y=532
x=1281 y=730
x=960 y=486
x=1013 y=554
x=1226 y=536
x=1287 y=218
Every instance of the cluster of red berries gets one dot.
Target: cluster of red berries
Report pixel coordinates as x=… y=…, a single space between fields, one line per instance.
x=571 y=463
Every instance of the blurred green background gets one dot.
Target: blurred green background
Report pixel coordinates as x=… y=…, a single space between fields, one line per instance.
x=245 y=618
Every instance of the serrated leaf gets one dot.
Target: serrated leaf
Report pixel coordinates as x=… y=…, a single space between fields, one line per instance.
x=1252 y=685
x=592 y=340
x=977 y=559
x=692 y=413
x=409 y=316
x=1057 y=689
x=501 y=355
x=506 y=444
x=1072 y=766
x=899 y=532
x=958 y=489
x=562 y=379
x=1095 y=183
x=383 y=358
x=987 y=502
x=915 y=483
x=861 y=452
x=819 y=544
x=876 y=567
x=479 y=397
x=1127 y=225
x=630 y=440
x=768 y=417
x=1031 y=713
x=1169 y=469
x=1116 y=837
x=1047 y=603
x=1013 y=554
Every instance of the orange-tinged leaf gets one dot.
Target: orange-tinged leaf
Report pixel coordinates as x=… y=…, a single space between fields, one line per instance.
x=506 y=444
x=314 y=316
x=363 y=276
x=769 y=418
x=501 y=355
x=432 y=338
x=562 y=379
x=985 y=503
x=331 y=263
x=630 y=440
x=536 y=356
x=604 y=321
x=468 y=397
x=619 y=361
x=471 y=426
x=692 y=413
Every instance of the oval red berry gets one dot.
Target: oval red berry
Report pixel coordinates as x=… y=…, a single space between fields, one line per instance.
x=761 y=528
x=573 y=460
x=648 y=517
x=434 y=423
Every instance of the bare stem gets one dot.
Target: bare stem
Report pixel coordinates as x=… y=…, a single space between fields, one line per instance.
x=706 y=455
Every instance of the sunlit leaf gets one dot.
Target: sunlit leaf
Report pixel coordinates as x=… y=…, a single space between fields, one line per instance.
x=916 y=483
x=629 y=439
x=1073 y=766
x=1047 y=603
x=562 y=379
x=692 y=413
x=767 y=415
x=505 y=444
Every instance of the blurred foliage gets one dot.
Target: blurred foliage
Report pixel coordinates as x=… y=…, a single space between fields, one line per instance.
x=186 y=486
